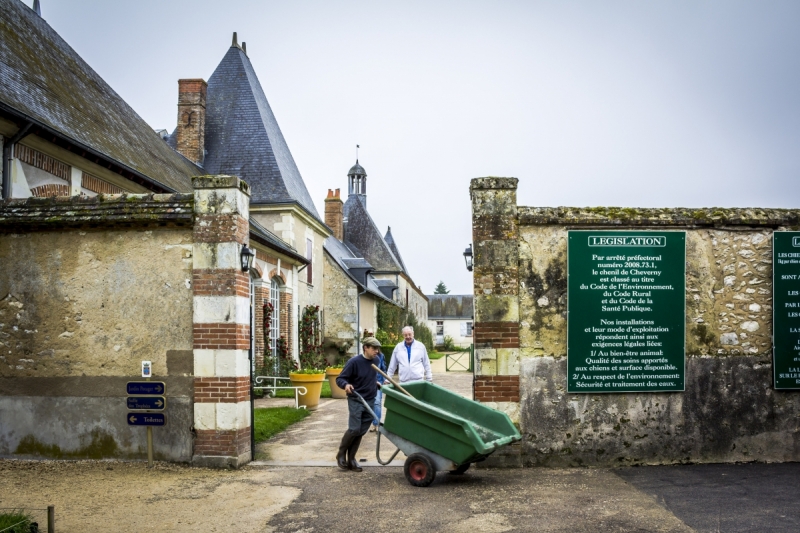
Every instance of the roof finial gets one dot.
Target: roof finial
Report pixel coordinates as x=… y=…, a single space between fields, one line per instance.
x=235 y=41
x=37 y=8
x=244 y=47
x=357 y=147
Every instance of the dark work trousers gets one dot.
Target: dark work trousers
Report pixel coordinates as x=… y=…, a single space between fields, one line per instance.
x=360 y=419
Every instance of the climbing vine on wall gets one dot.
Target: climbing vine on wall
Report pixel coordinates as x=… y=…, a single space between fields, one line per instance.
x=267 y=325
x=392 y=319
x=311 y=339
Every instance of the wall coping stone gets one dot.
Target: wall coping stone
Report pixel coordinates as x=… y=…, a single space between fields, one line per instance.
x=102 y=211
x=679 y=216
x=221 y=182
x=492 y=182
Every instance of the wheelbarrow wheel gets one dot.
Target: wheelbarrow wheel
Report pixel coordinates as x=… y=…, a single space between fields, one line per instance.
x=419 y=470
x=460 y=470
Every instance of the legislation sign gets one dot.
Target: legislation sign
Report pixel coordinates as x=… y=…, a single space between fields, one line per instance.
x=146 y=387
x=147 y=419
x=786 y=309
x=626 y=308
x=147 y=403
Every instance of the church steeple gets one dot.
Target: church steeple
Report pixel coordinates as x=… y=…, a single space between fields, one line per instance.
x=357 y=182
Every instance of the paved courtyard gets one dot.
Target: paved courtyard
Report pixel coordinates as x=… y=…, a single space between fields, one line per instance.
x=294 y=487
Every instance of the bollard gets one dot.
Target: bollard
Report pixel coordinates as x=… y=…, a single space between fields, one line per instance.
x=51 y=519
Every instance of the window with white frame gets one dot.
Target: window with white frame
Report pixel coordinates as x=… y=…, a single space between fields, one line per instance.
x=310 y=257
x=275 y=320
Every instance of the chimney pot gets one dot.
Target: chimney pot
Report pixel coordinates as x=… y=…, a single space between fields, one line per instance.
x=235 y=41
x=334 y=214
x=190 y=133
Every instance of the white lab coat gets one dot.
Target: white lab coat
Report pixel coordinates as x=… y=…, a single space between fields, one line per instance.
x=418 y=368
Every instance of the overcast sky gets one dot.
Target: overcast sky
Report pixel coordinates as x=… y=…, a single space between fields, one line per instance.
x=637 y=103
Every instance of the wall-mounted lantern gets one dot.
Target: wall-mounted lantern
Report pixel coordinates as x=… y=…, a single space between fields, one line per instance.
x=468 y=257
x=247 y=256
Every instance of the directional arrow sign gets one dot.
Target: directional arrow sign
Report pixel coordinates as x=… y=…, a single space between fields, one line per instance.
x=149 y=403
x=147 y=419
x=146 y=387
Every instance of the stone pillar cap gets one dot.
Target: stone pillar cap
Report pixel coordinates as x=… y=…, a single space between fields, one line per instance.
x=492 y=182
x=221 y=182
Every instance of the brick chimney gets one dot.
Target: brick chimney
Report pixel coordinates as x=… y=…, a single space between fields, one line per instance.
x=334 y=214
x=190 y=134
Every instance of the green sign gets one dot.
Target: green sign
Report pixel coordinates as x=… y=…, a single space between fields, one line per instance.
x=626 y=308
x=786 y=309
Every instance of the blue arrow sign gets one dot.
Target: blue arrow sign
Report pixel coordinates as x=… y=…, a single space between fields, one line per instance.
x=147 y=419
x=146 y=387
x=150 y=403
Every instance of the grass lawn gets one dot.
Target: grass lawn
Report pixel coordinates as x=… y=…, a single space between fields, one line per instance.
x=19 y=518
x=273 y=420
x=435 y=355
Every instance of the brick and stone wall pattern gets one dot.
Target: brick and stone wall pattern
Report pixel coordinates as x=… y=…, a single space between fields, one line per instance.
x=221 y=323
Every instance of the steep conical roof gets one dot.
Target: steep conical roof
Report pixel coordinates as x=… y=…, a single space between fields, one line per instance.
x=393 y=247
x=243 y=137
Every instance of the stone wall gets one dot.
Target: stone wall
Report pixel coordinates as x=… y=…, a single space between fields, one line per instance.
x=340 y=313
x=79 y=310
x=729 y=410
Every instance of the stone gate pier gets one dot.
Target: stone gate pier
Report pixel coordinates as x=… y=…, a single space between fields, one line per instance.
x=618 y=336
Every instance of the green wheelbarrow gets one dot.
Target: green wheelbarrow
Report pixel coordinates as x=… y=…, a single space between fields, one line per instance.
x=439 y=430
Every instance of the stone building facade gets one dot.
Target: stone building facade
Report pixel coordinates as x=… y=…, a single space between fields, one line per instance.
x=729 y=410
x=83 y=306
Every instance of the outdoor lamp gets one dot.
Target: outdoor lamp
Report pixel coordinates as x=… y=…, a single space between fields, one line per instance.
x=468 y=257
x=247 y=256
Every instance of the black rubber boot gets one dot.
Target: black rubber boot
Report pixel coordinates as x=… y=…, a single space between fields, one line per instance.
x=351 y=454
x=341 y=457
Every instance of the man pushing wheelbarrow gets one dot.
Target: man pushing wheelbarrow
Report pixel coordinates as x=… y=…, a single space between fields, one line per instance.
x=359 y=380
x=437 y=430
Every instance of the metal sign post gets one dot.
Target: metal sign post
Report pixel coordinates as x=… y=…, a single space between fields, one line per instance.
x=147 y=401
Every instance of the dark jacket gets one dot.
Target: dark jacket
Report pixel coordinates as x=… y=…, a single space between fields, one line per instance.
x=359 y=373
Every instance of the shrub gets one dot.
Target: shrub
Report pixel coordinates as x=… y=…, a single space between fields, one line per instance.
x=449 y=344
x=392 y=319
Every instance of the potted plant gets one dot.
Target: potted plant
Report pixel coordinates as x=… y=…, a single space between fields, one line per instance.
x=336 y=365
x=332 y=372
x=311 y=371
x=311 y=379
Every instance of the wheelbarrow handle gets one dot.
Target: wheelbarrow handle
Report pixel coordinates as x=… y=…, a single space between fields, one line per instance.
x=397 y=386
x=374 y=417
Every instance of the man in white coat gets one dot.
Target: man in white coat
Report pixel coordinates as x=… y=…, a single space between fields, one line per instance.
x=410 y=358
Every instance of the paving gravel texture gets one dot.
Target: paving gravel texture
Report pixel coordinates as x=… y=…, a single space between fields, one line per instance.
x=273 y=496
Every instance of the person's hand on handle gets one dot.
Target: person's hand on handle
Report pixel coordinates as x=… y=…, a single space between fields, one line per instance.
x=348 y=389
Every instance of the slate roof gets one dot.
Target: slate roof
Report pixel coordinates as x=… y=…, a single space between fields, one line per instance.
x=42 y=79
x=450 y=306
x=344 y=256
x=361 y=234
x=243 y=139
x=393 y=247
x=264 y=236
